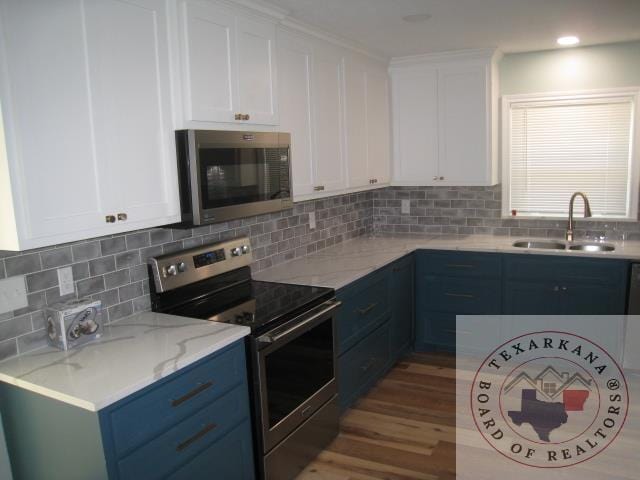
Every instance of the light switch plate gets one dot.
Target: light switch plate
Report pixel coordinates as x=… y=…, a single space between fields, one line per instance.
x=65 y=281
x=13 y=294
x=312 y=220
x=406 y=207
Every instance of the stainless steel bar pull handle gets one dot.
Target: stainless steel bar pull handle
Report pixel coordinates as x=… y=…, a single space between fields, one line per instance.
x=191 y=440
x=367 y=309
x=122 y=217
x=318 y=188
x=188 y=396
x=459 y=295
x=110 y=218
x=272 y=338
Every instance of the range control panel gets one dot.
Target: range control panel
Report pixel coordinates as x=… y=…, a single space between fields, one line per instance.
x=189 y=266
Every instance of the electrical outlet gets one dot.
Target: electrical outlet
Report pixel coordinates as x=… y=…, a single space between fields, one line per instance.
x=13 y=294
x=406 y=207
x=312 y=220
x=65 y=281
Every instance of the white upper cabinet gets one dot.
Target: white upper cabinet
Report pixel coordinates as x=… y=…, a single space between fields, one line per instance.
x=87 y=120
x=208 y=51
x=378 y=125
x=131 y=103
x=229 y=65
x=444 y=119
x=415 y=126
x=335 y=103
x=357 y=137
x=295 y=61
x=367 y=122
x=330 y=171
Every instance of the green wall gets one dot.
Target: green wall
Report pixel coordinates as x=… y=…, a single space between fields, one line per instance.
x=580 y=68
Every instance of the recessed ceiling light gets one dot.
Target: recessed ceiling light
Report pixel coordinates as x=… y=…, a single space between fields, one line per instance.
x=417 y=18
x=568 y=41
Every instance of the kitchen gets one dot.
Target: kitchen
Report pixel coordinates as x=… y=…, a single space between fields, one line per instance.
x=331 y=180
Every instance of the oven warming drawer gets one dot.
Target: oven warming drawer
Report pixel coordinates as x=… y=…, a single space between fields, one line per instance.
x=295 y=452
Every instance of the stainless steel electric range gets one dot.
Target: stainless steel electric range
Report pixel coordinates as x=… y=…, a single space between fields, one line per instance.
x=291 y=349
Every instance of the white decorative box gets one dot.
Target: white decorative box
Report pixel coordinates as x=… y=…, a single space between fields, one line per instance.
x=73 y=323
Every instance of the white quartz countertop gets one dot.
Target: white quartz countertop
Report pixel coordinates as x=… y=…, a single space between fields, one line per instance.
x=131 y=354
x=346 y=262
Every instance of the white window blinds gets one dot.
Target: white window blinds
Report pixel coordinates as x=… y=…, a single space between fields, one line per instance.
x=567 y=144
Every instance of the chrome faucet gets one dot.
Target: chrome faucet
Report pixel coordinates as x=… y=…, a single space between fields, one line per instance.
x=587 y=213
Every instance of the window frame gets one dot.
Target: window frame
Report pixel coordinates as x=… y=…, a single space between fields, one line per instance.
x=566 y=96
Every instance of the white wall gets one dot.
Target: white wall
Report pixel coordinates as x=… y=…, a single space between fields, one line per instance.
x=580 y=68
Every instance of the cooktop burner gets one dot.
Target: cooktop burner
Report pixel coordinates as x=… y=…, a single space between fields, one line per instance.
x=255 y=304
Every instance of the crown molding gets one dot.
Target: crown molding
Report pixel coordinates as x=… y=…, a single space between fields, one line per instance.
x=260 y=7
x=441 y=57
x=296 y=25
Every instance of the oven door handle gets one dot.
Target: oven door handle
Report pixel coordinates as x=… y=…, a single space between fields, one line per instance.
x=275 y=337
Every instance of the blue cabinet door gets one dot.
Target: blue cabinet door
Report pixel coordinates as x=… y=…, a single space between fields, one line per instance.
x=546 y=285
x=531 y=298
x=402 y=306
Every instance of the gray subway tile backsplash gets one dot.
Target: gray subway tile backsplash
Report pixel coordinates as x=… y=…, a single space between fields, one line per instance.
x=113 y=269
x=475 y=210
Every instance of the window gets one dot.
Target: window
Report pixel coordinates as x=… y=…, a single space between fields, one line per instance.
x=555 y=145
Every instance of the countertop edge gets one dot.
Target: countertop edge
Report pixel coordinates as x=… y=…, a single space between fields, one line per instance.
x=96 y=406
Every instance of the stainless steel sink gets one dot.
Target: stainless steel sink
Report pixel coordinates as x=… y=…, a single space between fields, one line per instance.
x=592 y=247
x=548 y=245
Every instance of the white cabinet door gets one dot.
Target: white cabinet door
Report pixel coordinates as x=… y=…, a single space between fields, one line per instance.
x=356 y=123
x=129 y=80
x=415 y=127
x=378 y=126
x=47 y=119
x=462 y=125
x=256 y=71
x=328 y=119
x=209 y=62
x=295 y=59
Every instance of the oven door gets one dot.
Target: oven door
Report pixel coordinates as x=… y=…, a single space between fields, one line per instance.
x=296 y=366
x=238 y=174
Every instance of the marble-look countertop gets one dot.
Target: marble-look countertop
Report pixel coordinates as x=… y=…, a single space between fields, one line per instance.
x=342 y=264
x=131 y=354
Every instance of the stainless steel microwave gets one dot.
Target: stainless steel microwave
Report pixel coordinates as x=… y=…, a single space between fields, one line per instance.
x=228 y=175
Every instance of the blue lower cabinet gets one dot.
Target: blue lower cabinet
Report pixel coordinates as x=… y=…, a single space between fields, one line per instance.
x=547 y=285
x=184 y=441
x=362 y=366
x=402 y=307
x=461 y=283
x=230 y=458
x=450 y=284
x=374 y=327
x=193 y=424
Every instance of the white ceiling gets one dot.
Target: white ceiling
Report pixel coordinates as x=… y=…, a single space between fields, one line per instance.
x=511 y=25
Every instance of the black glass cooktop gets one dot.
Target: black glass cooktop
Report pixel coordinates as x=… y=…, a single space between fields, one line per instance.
x=258 y=305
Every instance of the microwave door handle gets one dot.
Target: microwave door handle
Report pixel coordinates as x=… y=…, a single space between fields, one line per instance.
x=274 y=338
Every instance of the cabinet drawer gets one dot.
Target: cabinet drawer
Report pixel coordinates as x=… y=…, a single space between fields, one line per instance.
x=182 y=442
x=460 y=295
x=154 y=411
x=364 y=305
x=231 y=458
x=361 y=366
x=553 y=268
x=460 y=264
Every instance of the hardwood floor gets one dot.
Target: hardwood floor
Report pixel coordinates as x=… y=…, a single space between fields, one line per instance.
x=404 y=428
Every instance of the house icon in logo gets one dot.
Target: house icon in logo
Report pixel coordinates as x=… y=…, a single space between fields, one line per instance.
x=549 y=383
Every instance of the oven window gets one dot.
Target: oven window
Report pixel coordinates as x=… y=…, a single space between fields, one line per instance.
x=232 y=176
x=297 y=370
